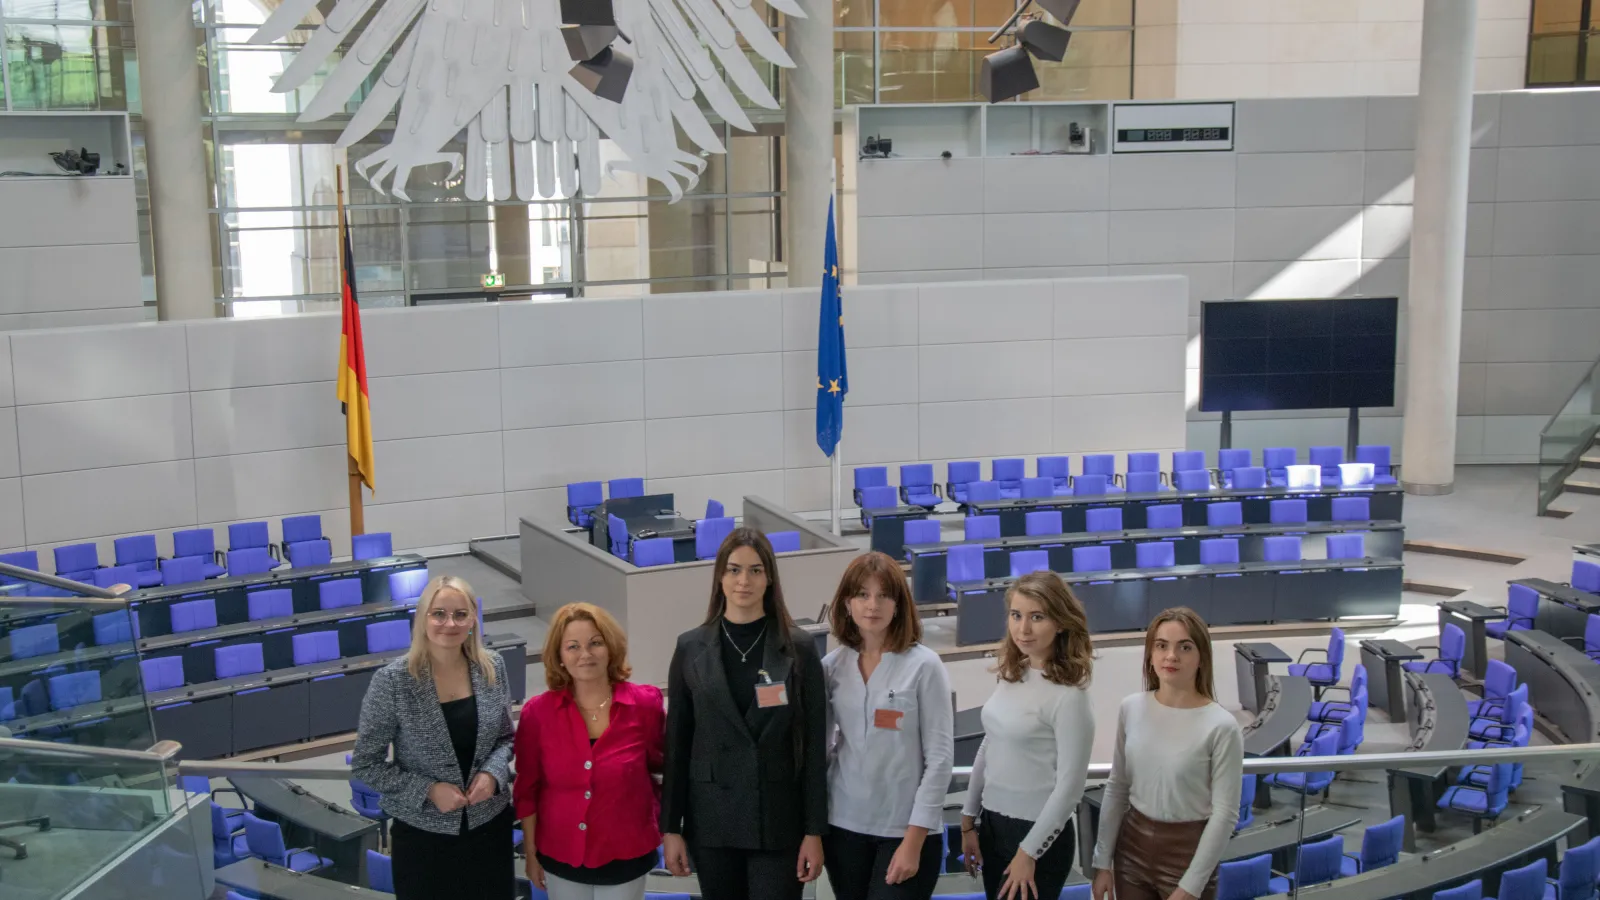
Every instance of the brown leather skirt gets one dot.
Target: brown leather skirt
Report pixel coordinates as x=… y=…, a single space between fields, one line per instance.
x=1152 y=856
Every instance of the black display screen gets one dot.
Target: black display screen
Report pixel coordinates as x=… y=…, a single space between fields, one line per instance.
x=1297 y=354
x=1169 y=135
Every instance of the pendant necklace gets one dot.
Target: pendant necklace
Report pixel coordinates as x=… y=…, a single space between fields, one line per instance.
x=744 y=655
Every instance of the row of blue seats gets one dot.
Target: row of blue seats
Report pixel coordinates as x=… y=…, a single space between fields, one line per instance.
x=708 y=537
x=1053 y=478
x=1223 y=514
x=195 y=557
x=584 y=496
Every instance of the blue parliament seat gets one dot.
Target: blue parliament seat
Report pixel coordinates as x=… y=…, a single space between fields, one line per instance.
x=1245 y=879
x=918 y=532
x=869 y=477
x=1486 y=802
x=1378 y=456
x=139 y=551
x=1346 y=546
x=113 y=628
x=373 y=545
x=111 y=576
x=1056 y=468
x=265 y=840
x=315 y=647
x=714 y=509
x=338 y=593
x=1008 y=473
x=654 y=551
x=1245 y=478
x=1524 y=882
x=789 y=541
x=1327 y=673
x=1586 y=576
x=380 y=873
x=1192 y=480
x=300 y=530
x=1287 y=512
x=275 y=603
x=184 y=570
x=1335 y=711
x=35 y=640
x=1145 y=483
x=393 y=634
x=582 y=498
x=1144 y=462
x=1451 y=648
x=917 y=487
x=1105 y=518
x=1380 y=846
x=1351 y=509
x=1168 y=516
x=1329 y=459
x=959 y=475
x=1103 y=464
x=979 y=528
x=77 y=562
x=1026 y=561
x=1044 y=521
x=1090 y=485
x=709 y=535
x=249 y=536
x=1225 y=513
x=1186 y=461
x=250 y=561
x=302 y=554
x=193 y=615
x=73 y=689
x=199 y=544
x=1277 y=460
x=1037 y=488
x=1472 y=890
x=162 y=673
x=1522 y=609
x=1317 y=862
x=624 y=488
x=1229 y=461
x=1155 y=555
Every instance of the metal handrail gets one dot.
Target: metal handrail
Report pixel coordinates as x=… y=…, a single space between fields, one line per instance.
x=1097 y=771
x=1589 y=373
x=89 y=591
x=1569 y=463
x=160 y=753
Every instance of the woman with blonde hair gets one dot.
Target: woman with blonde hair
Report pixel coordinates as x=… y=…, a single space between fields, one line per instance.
x=1173 y=797
x=445 y=707
x=1038 y=730
x=586 y=752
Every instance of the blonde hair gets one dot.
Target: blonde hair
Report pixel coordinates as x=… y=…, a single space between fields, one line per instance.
x=1204 y=679
x=1071 y=654
x=472 y=648
x=617 y=668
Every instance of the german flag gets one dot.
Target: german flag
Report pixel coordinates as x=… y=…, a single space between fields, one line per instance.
x=353 y=365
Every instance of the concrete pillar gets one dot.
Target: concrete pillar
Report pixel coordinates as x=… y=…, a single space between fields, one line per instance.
x=808 y=129
x=1438 y=245
x=169 y=91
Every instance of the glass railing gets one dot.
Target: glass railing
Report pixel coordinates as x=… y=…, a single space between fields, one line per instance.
x=1568 y=436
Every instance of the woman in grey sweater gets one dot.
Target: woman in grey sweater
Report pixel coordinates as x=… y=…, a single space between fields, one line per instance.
x=445 y=708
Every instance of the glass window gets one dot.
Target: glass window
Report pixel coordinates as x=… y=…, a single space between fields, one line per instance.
x=69 y=66
x=1562 y=43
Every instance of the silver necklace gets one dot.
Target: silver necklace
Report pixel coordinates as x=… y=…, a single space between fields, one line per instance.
x=744 y=655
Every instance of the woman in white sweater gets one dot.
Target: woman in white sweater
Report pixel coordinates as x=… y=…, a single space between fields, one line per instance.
x=1038 y=730
x=1173 y=797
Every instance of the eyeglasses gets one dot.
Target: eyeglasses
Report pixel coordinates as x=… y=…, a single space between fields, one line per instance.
x=456 y=617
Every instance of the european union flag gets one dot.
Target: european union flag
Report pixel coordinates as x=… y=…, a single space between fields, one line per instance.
x=832 y=382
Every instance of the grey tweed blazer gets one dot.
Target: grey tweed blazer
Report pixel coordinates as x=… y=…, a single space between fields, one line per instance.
x=404 y=712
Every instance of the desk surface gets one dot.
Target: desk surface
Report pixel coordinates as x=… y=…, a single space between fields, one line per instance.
x=1281 y=834
x=1283 y=712
x=1470 y=610
x=669 y=525
x=1506 y=842
x=1160 y=534
x=1387 y=648
x=1261 y=651
x=261 y=626
x=303 y=808
x=277 y=576
x=1567 y=661
x=1445 y=721
x=267 y=880
x=1562 y=593
x=1302 y=565
x=1169 y=496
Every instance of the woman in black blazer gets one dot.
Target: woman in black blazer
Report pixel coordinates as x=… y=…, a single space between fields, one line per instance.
x=746 y=786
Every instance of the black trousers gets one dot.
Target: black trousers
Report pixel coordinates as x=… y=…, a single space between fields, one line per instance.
x=472 y=866
x=727 y=873
x=998 y=839
x=858 y=863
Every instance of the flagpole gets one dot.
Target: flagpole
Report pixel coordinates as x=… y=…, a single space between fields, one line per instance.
x=358 y=516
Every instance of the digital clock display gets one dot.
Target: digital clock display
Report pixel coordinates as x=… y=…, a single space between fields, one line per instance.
x=1170 y=135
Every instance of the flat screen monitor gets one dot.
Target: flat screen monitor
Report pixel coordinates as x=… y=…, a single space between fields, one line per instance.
x=1297 y=354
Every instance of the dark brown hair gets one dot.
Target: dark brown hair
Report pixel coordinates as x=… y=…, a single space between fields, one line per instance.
x=905 y=628
x=617 y=668
x=772 y=601
x=1072 y=654
x=1204 y=680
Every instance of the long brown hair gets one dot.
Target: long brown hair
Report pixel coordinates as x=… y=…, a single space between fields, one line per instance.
x=1204 y=680
x=772 y=601
x=905 y=628
x=616 y=641
x=1072 y=653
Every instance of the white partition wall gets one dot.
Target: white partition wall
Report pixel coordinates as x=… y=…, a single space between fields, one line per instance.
x=483 y=413
x=1313 y=201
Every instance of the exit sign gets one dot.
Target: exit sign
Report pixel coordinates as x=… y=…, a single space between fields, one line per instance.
x=494 y=280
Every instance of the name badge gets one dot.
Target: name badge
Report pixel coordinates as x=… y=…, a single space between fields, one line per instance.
x=887 y=719
x=770 y=695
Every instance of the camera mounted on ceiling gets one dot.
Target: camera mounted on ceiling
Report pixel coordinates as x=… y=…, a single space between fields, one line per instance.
x=1009 y=73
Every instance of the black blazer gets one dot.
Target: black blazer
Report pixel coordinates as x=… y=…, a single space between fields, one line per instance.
x=725 y=785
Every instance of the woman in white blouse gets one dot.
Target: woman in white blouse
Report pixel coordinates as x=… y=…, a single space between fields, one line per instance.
x=1173 y=797
x=1038 y=731
x=891 y=734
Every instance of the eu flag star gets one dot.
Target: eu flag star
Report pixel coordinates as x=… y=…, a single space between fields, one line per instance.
x=833 y=386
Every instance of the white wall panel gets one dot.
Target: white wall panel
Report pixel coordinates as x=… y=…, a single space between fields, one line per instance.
x=1119 y=307
x=1034 y=273
x=7 y=395
x=1297 y=232
x=880 y=376
x=877 y=316
x=554 y=457
x=1129 y=365
x=713 y=385
x=1171 y=181
x=720 y=322
x=77 y=212
x=872 y=435
x=690 y=493
x=454 y=338
x=972 y=312
x=11 y=530
x=10 y=465
x=1546 y=228
x=1512 y=388
x=576 y=394
x=919 y=243
x=1544 y=282
x=1118 y=422
x=708 y=445
x=124 y=500
x=1171 y=236
x=1207 y=281
x=274 y=417
x=77 y=318
x=407 y=406
x=1385 y=231
x=431 y=468
x=1296 y=125
x=229 y=353
x=1511 y=438
x=548 y=506
x=438 y=523
x=543 y=334
x=1471 y=390
x=920 y=276
x=1548 y=119
x=98 y=363
x=1293 y=278
x=1556 y=335
x=1548 y=173
x=1044 y=239
x=809 y=490
x=1025 y=184
x=976 y=428
x=984 y=371
x=55 y=279
x=283 y=482
x=1299 y=179
x=1392 y=121
x=94 y=434
x=923 y=187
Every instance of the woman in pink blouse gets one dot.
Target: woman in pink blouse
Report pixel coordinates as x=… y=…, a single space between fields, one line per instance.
x=586 y=751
